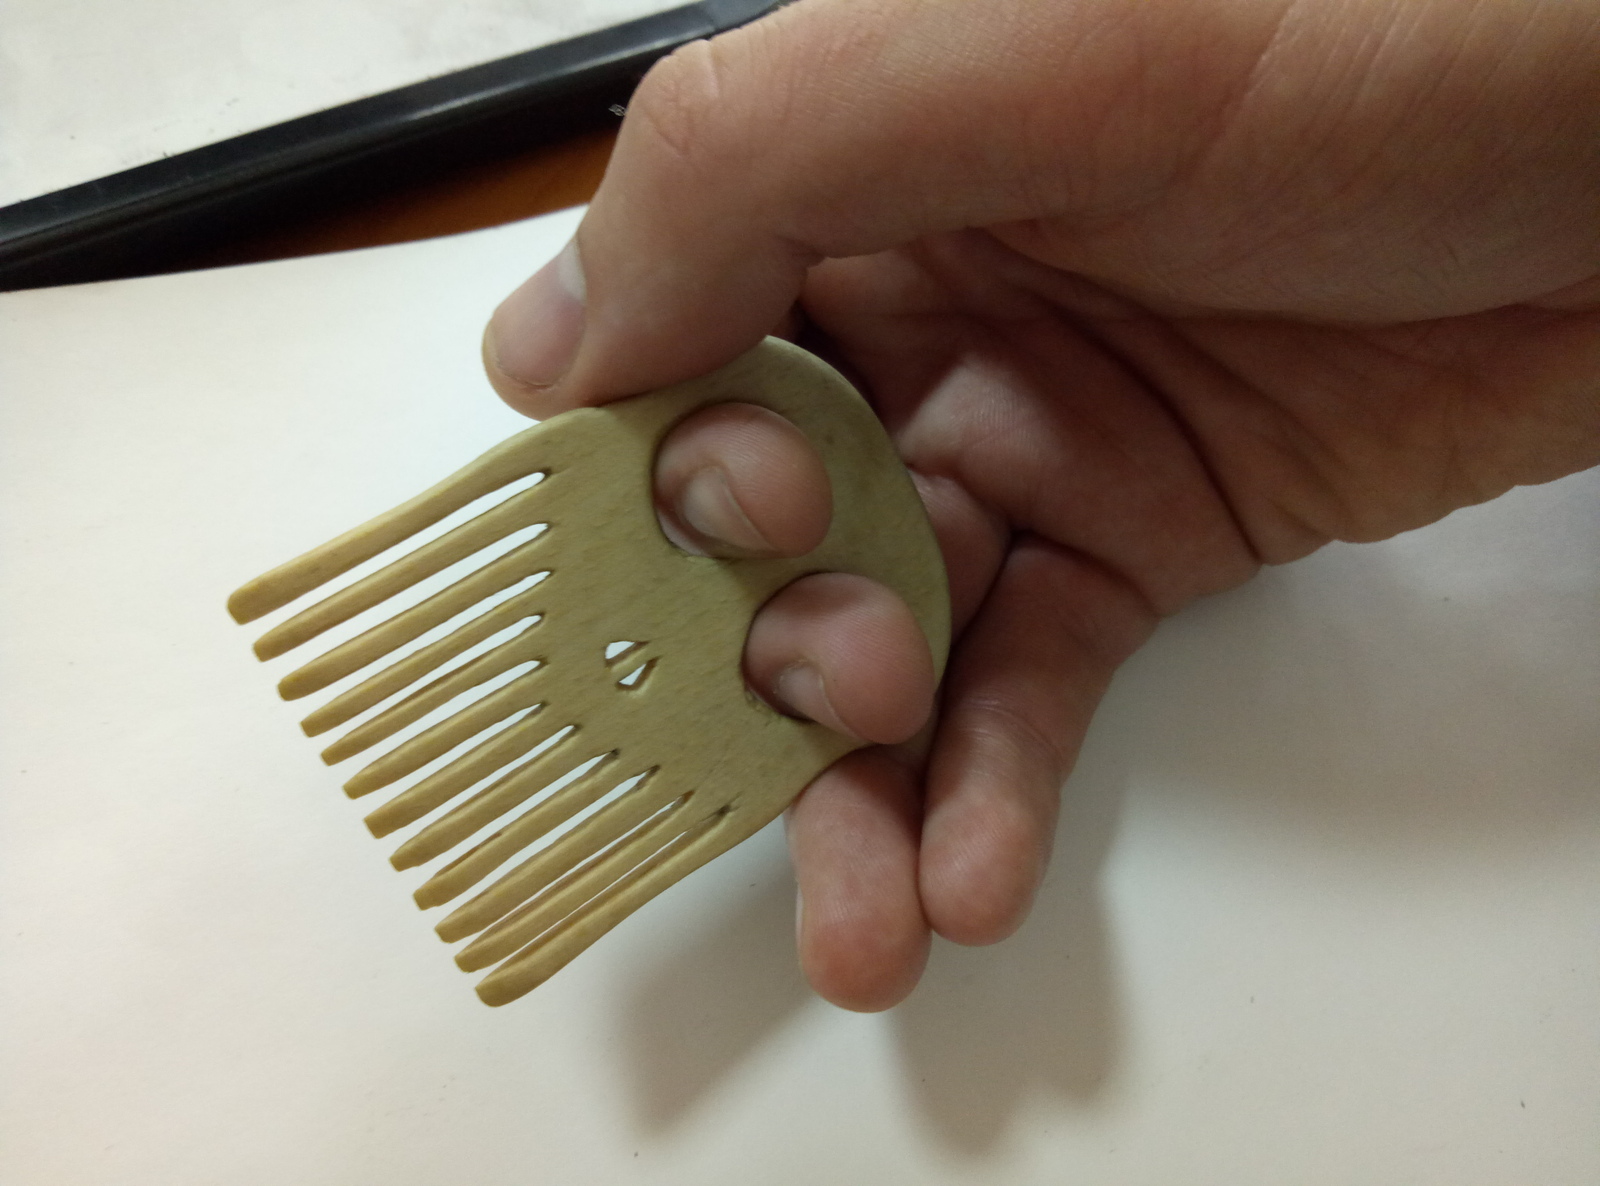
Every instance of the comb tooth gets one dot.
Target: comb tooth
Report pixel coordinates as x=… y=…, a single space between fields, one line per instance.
x=552 y=951
x=396 y=578
x=413 y=667
x=443 y=785
x=473 y=866
x=509 y=654
x=500 y=466
x=440 y=739
x=532 y=919
x=538 y=871
x=516 y=565
x=486 y=806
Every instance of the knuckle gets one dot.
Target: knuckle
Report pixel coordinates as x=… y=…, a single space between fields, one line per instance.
x=1033 y=756
x=683 y=104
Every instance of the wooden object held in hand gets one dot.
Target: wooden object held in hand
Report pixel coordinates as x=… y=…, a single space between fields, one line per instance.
x=588 y=678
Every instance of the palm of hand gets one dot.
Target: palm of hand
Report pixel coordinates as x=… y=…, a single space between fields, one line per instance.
x=1091 y=466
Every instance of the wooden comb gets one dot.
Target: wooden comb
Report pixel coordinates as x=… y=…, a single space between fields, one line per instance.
x=581 y=671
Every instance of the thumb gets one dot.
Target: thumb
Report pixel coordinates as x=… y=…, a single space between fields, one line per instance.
x=699 y=238
x=830 y=128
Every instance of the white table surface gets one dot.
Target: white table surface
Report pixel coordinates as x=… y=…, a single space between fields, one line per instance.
x=1325 y=907
x=89 y=87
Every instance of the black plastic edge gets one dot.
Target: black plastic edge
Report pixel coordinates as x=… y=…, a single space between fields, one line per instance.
x=128 y=223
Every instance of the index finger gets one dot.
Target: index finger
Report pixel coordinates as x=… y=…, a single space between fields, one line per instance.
x=837 y=128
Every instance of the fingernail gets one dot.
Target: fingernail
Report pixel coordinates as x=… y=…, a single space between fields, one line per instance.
x=799 y=691
x=534 y=334
x=707 y=504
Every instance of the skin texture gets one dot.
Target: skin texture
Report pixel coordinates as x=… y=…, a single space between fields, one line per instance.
x=1149 y=294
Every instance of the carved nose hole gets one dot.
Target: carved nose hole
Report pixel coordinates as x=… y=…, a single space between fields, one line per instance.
x=635 y=679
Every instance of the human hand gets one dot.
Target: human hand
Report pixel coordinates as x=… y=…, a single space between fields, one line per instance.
x=1148 y=295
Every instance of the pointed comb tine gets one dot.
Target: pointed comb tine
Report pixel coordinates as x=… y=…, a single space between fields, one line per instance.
x=534 y=875
x=368 y=647
x=273 y=590
x=555 y=948
x=516 y=652
x=504 y=795
x=495 y=743
x=403 y=673
x=495 y=524
x=577 y=888
x=527 y=829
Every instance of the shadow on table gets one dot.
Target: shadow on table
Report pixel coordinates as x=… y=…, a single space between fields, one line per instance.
x=986 y=1029
x=1038 y=1015
x=1348 y=707
x=707 y=1006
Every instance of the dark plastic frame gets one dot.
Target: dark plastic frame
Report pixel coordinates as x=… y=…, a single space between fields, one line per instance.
x=128 y=223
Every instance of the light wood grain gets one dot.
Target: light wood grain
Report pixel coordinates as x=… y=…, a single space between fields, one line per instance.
x=712 y=763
